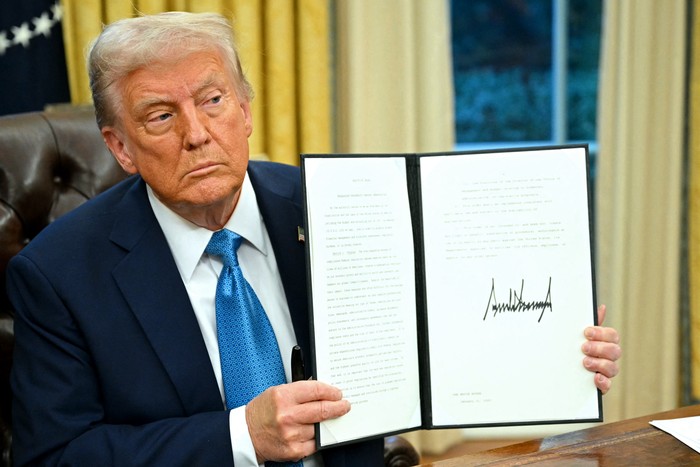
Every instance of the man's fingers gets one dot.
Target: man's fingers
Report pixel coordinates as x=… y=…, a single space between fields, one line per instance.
x=600 y=365
x=308 y=391
x=601 y=314
x=329 y=410
x=320 y=411
x=604 y=350
x=307 y=448
x=306 y=402
x=602 y=382
x=603 y=334
x=281 y=419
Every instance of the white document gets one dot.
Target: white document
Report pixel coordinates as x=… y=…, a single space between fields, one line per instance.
x=686 y=430
x=364 y=300
x=478 y=321
x=509 y=286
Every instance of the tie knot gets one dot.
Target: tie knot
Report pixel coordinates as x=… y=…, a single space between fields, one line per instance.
x=224 y=244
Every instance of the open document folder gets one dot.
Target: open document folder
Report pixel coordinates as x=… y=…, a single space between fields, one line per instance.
x=451 y=290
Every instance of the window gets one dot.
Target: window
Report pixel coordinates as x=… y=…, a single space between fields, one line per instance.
x=525 y=71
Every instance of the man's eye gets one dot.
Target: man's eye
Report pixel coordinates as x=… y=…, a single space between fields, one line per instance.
x=160 y=117
x=215 y=100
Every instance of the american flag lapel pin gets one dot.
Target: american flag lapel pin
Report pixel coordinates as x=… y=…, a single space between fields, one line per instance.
x=300 y=234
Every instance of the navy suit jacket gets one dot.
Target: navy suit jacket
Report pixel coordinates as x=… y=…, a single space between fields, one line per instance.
x=110 y=367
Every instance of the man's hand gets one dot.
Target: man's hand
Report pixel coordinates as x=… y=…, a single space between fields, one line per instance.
x=281 y=419
x=602 y=350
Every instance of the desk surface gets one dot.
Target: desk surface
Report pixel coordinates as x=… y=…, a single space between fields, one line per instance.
x=629 y=442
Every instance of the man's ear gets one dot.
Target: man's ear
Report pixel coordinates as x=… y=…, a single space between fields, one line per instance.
x=116 y=146
x=248 y=117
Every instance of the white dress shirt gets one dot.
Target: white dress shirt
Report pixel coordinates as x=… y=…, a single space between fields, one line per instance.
x=200 y=273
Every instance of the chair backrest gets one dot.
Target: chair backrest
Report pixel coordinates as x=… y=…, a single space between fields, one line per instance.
x=50 y=162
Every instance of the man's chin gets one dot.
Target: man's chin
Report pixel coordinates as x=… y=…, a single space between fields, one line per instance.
x=208 y=197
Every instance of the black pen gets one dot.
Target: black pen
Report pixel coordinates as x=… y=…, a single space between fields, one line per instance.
x=297 y=364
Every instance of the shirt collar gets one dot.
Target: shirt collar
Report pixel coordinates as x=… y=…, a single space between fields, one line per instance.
x=187 y=241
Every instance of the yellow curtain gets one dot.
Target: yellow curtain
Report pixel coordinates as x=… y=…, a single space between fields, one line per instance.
x=639 y=193
x=394 y=76
x=284 y=48
x=694 y=210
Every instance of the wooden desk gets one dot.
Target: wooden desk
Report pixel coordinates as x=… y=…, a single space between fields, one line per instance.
x=626 y=443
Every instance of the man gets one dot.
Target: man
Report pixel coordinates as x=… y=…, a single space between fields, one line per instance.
x=117 y=356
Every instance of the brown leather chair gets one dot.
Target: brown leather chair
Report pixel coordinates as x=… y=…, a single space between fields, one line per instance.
x=50 y=162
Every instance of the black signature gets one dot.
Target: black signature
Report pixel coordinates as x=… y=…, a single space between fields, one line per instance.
x=516 y=304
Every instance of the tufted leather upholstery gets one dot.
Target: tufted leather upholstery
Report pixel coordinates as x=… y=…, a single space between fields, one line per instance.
x=50 y=162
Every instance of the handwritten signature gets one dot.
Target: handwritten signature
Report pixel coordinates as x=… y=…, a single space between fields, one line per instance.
x=516 y=304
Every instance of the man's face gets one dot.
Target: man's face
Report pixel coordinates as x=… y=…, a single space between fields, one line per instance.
x=181 y=126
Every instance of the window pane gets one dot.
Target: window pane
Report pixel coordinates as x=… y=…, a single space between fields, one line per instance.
x=584 y=52
x=502 y=52
x=503 y=70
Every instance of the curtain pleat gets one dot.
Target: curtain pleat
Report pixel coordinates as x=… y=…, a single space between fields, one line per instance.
x=249 y=27
x=82 y=21
x=313 y=61
x=280 y=79
x=394 y=76
x=693 y=237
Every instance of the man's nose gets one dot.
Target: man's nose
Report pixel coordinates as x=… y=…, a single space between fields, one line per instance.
x=195 y=132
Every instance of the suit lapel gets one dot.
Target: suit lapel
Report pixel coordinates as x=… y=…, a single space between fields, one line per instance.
x=151 y=284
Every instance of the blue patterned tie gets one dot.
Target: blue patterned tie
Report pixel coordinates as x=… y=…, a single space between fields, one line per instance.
x=250 y=356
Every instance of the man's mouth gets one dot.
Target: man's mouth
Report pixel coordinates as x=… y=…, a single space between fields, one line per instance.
x=203 y=169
